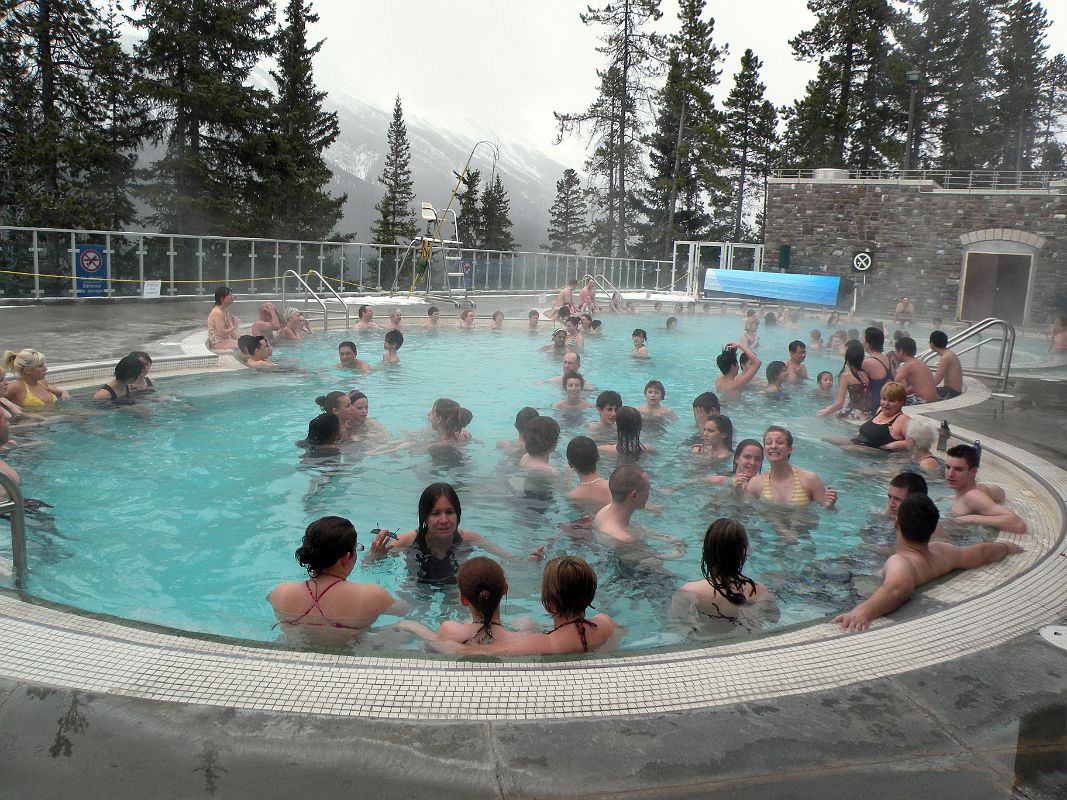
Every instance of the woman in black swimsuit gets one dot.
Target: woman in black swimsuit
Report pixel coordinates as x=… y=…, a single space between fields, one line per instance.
x=888 y=428
x=117 y=390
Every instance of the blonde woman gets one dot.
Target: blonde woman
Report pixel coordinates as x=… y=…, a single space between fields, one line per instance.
x=30 y=390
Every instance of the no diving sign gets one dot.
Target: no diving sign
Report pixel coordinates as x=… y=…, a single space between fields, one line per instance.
x=91 y=270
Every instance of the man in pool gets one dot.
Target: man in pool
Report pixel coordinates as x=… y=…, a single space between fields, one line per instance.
x=572 y=362
x=346 y=352
x=566 y=294
x=914 y=374
x=949 y=376
x=433 y=319
x=900 y=486
x=559 y=342
x=607 y=405
x=259 y=351
x=705 y=404
x=532 y=319
x=917 y=560
x=592 y=490
x=795 y=371
x=735 y=377
x=587 y=297
x=630 y=488
x=366 y=319
x=974 y=503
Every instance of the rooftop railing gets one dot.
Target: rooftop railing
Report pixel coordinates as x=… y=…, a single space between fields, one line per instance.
x=1004 y=180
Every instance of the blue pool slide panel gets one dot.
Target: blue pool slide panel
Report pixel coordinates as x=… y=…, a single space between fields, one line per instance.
x=816 y=289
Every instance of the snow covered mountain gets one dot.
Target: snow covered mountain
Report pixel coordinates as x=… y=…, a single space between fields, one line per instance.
x=529 y=175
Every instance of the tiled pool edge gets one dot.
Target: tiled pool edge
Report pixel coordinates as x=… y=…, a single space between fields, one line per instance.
x=54 y=647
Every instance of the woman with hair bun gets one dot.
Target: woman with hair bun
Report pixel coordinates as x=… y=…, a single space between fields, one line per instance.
x=29 y=389
x=360 y=425
x=726 y=593
x=448 y=420
x=327 y=601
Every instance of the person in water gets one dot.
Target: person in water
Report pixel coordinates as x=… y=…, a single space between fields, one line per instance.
x=726 y=593
x=433 y=319
x=796 y=372
x=653 y=407
x=448 y=420
x=117 y=390
x=974 y=503
x=736 y=372
x=143 y=384
x=359 y=424
x=30 y=391
x=522 y=417
x=541 y=435
x=324 y=435
x=608 y=404
x=887 y=429
x=366 y=319
x=434 y=547
x=327 y=600
x=917 y=560
x=573 y=386
x=259 y=352
x=748 y=463
x=346 y=353
x=628 y=435
x=592 y=490
x=392 y=342
x=640 y=339
x=718 y=443
x=853 y=387
x=785 y=484
x=221 y=324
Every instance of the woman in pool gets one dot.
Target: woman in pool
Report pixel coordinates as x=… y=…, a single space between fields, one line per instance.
x=750 y=338
x=776 y=374
x=143 y=384
x=573 y=386
x=639 y=337
x=9 y=411
x=1058 y=335
x=482 y=584
x=853 y=387
x=748 y=463
x=434 y=547
x=327 y=601
x=117 y=390
x=922 y=433
x=359 y=424
x=815 y=340
x=339 y=404
x=725 y=593
x=559 y=342
x=887 y=429
x=497 y=323
x=324 y=434
x=221 y=324
x=30 y=390
x=654 y=394
x=628 y=427
x=575 y=341
x=616 y=303
x=448 y=419
x=718 y=442
x=785 y=484
x=466 y=319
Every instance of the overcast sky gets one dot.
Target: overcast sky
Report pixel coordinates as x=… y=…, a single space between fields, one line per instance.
x=498 y=68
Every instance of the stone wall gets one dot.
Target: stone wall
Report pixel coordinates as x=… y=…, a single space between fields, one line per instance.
x=916 y=232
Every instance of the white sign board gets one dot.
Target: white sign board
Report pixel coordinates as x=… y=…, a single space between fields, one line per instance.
x=152 y=288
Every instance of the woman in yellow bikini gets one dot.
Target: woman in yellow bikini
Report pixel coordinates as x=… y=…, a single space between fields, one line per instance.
x=29 y=389
x=785 y=484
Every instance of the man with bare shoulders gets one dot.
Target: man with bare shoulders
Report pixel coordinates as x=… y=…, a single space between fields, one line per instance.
x=629 y=488
x=566 y=294
x=974 y=503
x=900 y=486
x=608 y=404
x=905 y=311
x=366 y=319
x=949 y=376
x=433 y=319
x=795 y=371
x=396 y=321
x=587 y=297
x=914 y=374
x=592 y=490
x=347 y=359
x=917 y=560
x=735 y=375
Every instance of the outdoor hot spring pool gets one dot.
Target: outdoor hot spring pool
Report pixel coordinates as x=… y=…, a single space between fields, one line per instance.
x=184 y=510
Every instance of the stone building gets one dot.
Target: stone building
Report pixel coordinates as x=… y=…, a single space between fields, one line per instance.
x=962 y=254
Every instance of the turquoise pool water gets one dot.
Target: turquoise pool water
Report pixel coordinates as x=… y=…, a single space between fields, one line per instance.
x=186 y=509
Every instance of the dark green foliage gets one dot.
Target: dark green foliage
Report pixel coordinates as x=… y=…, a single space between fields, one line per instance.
x=289 y=199
x=69 y=125
x=751 y=123
x=567 y=229
x=496 y=217
x=1020 y=62
x=471 y=226
x=613 y=122
x=196 y=58
x=1052 y=112
x=396 y=222
x=687 y=147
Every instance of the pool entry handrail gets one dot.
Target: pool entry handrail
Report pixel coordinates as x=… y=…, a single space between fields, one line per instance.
x=13 y=507
x=601 y=282
x=1006 y=340
x=325 y=284
x=310 y=293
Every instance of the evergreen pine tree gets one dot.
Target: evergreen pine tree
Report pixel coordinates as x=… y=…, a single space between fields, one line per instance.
x=1020 y=58
x=687 y=148
x=291 y=201
x=496 y=216
x=567 y=230
x=751 y=128
x=471 y=227
x=614 y=120
x=1052 y=112
x=396 y=222
x=196 y=59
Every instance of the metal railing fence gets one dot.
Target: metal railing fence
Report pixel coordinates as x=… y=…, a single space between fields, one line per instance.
x=1032 y=180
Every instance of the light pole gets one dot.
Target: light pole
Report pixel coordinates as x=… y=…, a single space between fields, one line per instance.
x=912 y=76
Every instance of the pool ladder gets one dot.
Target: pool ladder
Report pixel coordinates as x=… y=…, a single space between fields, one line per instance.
x=310 y=293
x=1006 y=340
x=17 y=515
x=603 y=284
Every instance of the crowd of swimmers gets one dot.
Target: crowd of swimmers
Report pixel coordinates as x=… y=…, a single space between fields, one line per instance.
x=872 y=390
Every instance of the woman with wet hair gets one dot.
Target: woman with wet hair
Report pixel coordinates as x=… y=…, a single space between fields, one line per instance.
x=718 y=440
x=785 y=484
x=327 y=603
x=448 y=419
x=726 y=591
x=359 y=424
x=324 y=433
x=482 y=585
x=434 y=547
x=30 y=390
x=628 y=443
x=853 y=386
x=143 y=384
x=117 y=390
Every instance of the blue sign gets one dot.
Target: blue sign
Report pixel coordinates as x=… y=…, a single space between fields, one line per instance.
x=90 y=270
x=815 y=289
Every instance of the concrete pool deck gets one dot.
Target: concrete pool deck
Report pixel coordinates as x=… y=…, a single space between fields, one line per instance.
x=991 y=723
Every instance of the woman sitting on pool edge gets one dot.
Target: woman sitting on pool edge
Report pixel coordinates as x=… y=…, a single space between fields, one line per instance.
x=784 y=483
x=221 y=324
x=326 y=600
x=30 y=390
x=726 y=593
x=432 y=548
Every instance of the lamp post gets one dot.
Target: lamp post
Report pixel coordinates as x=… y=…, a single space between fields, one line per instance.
x=912 y=76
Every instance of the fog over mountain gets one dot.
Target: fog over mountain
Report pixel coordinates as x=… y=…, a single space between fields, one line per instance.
x=356 y=158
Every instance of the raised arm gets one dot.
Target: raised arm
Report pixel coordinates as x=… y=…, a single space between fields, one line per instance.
x=896 y=588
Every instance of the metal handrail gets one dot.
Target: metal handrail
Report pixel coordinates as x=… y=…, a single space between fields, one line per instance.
x=604 y=284
x=337 y=297
x=1007 y=346
x=14 y=506
x=307 y=290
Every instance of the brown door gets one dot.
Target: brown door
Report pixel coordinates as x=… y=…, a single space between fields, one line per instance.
x=996 y=286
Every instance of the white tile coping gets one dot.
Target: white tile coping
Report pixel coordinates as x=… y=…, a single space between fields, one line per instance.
x=993 y=605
